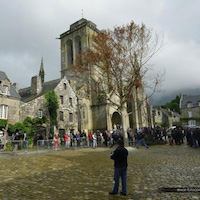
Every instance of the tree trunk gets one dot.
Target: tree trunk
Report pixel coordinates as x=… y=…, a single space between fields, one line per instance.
x=124 y=128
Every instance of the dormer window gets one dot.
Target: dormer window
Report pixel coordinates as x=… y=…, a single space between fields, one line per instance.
x=198 y=103
x=189 y=104
x=5 y=89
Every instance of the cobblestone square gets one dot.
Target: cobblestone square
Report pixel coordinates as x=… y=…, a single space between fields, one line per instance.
x=88 y=174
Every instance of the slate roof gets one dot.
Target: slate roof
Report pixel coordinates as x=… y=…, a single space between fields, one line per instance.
x=46 y=87
x=13 y=92
x=194 y=99
x=169 y=113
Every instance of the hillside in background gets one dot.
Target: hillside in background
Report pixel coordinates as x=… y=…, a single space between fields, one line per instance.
x=165 y=97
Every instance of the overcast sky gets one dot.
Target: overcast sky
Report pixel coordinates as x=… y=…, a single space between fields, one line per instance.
x=29 y=29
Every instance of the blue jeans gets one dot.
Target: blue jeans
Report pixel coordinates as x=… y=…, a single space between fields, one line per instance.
x=141 y=141
x=25 y=144
x=120 y=172
x=194 y=142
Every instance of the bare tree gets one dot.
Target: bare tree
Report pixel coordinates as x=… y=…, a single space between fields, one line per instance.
x=116 y=64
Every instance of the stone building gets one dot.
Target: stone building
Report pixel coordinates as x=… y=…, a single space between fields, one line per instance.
x=166 y=117
x=33 y=101
x=9 y=99
x=95 y=113
x=190 y=110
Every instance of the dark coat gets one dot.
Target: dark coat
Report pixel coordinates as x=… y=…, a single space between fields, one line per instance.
x=120 y=157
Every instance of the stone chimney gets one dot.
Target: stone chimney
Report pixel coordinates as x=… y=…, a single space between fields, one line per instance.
x=36 y=85
x=16 y=86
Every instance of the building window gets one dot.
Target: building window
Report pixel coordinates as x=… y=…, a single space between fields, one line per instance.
x=5 y=89
x=189 y=104
x=190 y=113
x=61 y=116
x=70 y=101
x=198 y=103
x=65 y=86
x=70 y=117
x=69 y=52
x=40 y=113
x=192 y=123
x=83 y=113
x=61 y=99
x=3 y=111
x=159 y=113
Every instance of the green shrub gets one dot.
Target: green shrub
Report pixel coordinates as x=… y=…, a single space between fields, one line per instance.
x=3 y=123
x=8 y=145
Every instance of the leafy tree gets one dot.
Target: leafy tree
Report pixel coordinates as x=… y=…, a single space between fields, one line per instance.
x=20 y=127
x=52 y=105
x=173 y=105
x=116 y=64
x=3 y=123
x=28 y=126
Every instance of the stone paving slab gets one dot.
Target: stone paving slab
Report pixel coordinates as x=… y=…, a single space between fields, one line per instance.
x=88 y=174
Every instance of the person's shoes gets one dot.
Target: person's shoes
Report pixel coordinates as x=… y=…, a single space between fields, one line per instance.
x=112 y=193
x=123 y=194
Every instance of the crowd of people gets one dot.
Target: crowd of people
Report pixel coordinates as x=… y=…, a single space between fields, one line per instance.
x=94 y=139
x=190 y=135
x=177 y=135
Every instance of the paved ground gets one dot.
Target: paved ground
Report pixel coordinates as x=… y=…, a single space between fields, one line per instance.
x=88 y=174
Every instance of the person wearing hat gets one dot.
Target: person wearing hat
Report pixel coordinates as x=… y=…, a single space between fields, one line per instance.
x=120 y=162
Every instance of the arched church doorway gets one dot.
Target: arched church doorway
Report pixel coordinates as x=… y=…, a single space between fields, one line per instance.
x=116 y=120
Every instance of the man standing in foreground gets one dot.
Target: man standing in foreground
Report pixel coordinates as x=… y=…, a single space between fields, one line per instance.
x=120 y=162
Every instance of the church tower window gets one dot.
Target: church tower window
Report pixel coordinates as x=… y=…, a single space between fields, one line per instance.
x=78 y=47
x=70 y=55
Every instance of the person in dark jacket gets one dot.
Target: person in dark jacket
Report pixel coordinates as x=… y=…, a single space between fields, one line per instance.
x=120 y=162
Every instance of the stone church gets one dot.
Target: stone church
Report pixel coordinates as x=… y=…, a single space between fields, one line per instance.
x=79 y=108
x=33 y=101
x=94 y=114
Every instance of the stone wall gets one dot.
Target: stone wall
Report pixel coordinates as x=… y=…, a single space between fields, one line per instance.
x=13 y=108
x=31 y=108
x=99 y=116
x=66 y=108
x=195 y=112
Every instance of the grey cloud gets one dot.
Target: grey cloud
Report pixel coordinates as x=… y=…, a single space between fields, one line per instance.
x=29 y=29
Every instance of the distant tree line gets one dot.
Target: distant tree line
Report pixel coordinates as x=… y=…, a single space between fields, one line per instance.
x=173 y=105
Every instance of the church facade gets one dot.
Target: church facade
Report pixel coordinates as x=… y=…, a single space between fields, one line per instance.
x=99 y=114
x=79 y=107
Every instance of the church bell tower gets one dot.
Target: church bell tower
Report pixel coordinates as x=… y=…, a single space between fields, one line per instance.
x=78 y=38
